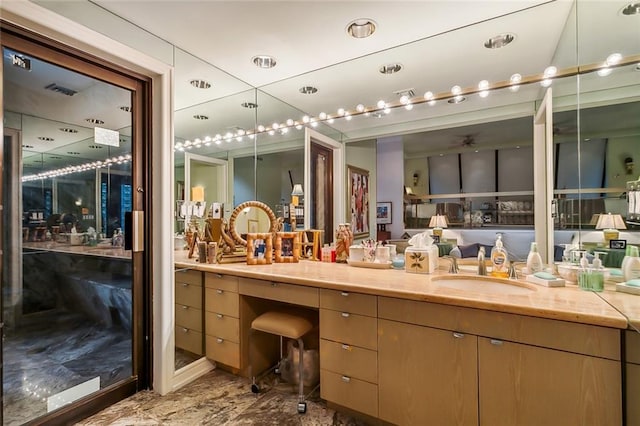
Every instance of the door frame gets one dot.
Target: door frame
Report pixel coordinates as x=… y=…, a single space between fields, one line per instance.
x=543 y=176
x=41 y=23
x=339 y=183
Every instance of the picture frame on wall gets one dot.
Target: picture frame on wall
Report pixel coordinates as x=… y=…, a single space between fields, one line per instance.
x=358 y=200
x=383 y=213
x=618 y=244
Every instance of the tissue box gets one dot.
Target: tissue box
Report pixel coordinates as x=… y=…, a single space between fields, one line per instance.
x=421 y=260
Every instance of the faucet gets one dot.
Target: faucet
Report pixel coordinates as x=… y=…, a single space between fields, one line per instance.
x=453 y=269
x=482 y=266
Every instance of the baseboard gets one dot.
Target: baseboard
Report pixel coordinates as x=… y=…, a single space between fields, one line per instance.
x=190 y=372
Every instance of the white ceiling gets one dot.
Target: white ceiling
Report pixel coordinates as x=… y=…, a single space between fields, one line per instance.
x=439 y=44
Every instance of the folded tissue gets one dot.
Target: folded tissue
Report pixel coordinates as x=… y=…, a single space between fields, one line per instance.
x=421 y=256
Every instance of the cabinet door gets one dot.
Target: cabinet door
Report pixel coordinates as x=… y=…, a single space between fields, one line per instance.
x=529 y=385
x=426 y=376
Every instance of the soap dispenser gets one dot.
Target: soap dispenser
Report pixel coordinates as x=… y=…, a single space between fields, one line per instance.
x=534 y=260
x=631 y=269
x=499 y=260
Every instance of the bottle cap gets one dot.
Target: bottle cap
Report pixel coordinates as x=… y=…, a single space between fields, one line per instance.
x=534 y=246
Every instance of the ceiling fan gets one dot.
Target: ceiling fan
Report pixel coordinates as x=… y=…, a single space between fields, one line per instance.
x=467 y=141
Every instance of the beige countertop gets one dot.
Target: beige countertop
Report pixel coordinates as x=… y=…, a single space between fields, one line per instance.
x=565 y=303
x=101 y=250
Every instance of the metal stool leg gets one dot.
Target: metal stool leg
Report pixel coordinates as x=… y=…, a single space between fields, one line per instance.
x=302 y=405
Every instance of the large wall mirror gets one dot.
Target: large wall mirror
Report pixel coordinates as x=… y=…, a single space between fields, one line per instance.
x=422 y=155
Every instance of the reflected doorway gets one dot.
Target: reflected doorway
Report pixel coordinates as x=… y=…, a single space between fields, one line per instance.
x=322 y=190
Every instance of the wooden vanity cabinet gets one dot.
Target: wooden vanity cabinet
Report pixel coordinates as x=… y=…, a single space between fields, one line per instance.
x=188 y=311
x=349 y=350
x=450 y=365
x=222 y=319
x=427 y=376
x=632 y=376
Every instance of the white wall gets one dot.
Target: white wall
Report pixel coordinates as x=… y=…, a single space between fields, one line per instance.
x=390 y=184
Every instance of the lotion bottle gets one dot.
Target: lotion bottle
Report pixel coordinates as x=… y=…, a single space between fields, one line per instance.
x=631 y=269
x=625 y=259
x=534 y=260
x=499 y=260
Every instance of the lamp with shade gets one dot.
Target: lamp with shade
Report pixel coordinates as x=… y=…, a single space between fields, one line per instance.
x=297 y=213
x=296 y=193
x=438 y=222
x=610 y=223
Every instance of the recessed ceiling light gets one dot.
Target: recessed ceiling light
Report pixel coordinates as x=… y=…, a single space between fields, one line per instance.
x=68 y=130
x=250 y=105
x=126 y=108
x=200 y=84
x=264 y=61
x=499 y=41
x=390 y=68
x=308 y=90
x=95 y=146
x=361 y=28
x=55 y=157
x=457 y=99
x=27 y=146
x=200 y=117
x=94 y=120
x=45 y=138
x=631 y=9
x=73 y=153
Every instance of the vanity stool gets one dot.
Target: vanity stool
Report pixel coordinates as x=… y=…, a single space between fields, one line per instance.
x=289 y=323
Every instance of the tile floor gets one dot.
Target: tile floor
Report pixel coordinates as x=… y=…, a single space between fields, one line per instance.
x=220 y=398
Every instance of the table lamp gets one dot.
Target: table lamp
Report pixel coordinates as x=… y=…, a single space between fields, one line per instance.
x=610 y=223
x=296 y=193
x=438 y=222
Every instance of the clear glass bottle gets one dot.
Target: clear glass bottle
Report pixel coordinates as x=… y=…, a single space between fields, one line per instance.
x=499 y=260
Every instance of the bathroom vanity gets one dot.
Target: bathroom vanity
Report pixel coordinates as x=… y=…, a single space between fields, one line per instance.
x=410 y=349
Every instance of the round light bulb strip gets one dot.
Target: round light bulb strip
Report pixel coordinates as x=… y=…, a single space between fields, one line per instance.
x=120 y=159
x=456 y=94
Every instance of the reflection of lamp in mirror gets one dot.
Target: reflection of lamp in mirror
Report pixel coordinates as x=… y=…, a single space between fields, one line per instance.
x=298 y=210
x=296 y=194
x=610 y=223
x=438 y=222
x=416 y=176
x=628 y=165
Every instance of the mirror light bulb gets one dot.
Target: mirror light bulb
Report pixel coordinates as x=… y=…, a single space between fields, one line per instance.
x=428 y=95
x=261 y=128
x=404 y=99
x=546 y=82
x=360 y=108
x=603 y=72
x=408 y=107
x=483 y=93
x=305 y=119
x=456 y=90
x=483 y=85
x=381 y=104
x=275 y=126
x=515 y=79
x=432 y=102
x=348 y=117
x=387 y=110
x=290 y=122
x=271 y=133
x=299 y=126
x=322 y=116
x=330 y=121
x=340 y=111
x=613 y=59
x=550 y=71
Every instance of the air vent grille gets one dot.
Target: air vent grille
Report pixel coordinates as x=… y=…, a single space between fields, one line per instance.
x=59 y=89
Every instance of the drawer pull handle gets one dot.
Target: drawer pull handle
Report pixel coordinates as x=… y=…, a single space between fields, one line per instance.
x=496 y=342
x=185 y=285
x=219 y=275
x=274 y=284
x=219 y=340
x=185 y=330
x=345 y=314
x=346 y=379
x=219 y=291
x=458 y=335
x=219 y=316
x=344 y=293
x=185 y=307
x=346 y=347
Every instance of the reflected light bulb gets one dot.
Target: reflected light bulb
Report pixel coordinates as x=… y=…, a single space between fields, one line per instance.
x=322 y=116
x=408 y=107
x=289 y=122
x=305 y=119
x=340 y=111
x=550 y=71
x=428 y=95
x=484 y=93
x=603 y=72
x=546 y=82
x=360 y=108
x=381 y=104
x=456 y=90
x=404 y=99
x=613 y=59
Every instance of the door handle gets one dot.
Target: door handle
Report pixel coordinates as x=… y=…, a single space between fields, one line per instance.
x=134 y=231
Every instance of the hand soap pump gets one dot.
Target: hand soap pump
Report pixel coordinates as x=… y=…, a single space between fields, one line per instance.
x=499 y=260
x=534 y=261
x=631 y=269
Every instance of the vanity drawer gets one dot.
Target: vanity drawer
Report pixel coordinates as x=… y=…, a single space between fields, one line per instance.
x=223 y=326
x=220 y=281
x=189 y=277
x=344 y=327
x=289 y=293
x=349 y=360
x=189 y=340
x=349 y=392
x=223 y=351
x=345 y=301
x=189 y=317
x=222 y=301
x=189 y=294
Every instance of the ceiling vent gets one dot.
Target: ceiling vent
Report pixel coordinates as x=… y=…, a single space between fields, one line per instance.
x=409 y=93
x=59 y=89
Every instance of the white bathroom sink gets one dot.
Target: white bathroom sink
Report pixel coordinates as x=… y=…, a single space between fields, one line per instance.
x=483 y=284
